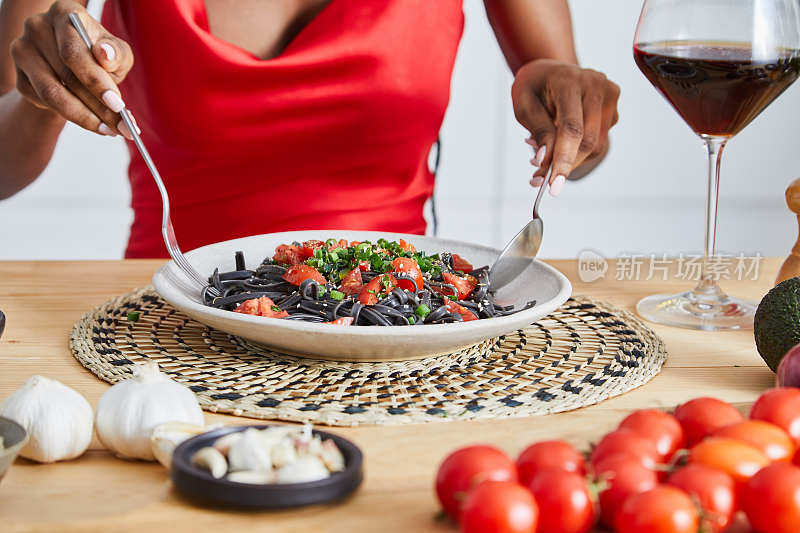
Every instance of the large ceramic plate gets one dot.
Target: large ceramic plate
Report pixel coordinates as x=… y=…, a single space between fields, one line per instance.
x=538 y=282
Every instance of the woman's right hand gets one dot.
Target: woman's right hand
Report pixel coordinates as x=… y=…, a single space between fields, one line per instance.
x=56 y=71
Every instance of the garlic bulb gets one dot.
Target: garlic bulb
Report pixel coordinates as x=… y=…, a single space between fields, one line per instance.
x=129 y=411
x=166 y=437
x=57 y=419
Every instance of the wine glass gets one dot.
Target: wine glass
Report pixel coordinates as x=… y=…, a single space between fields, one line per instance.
x=720 y=63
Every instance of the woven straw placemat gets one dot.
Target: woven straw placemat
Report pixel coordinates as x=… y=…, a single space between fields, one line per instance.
x=583 y=353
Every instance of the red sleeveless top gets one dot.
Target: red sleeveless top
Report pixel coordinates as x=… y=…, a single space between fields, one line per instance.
x=334 y=133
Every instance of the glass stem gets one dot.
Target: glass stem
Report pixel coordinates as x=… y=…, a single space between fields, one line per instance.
x=707 y=287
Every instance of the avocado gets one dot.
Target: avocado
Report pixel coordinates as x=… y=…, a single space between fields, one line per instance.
x=777 y=322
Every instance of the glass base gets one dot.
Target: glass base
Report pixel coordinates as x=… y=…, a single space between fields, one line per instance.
x=709 y=310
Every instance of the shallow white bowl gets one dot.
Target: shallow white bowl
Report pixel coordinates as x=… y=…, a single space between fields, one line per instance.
x=540 y=282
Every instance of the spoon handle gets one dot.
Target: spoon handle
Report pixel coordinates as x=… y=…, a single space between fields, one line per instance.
x=539 y=195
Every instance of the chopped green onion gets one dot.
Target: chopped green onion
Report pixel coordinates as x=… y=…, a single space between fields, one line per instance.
x=422 y=310
x=321 y=291
x=412 y=320
x=276 y=309
x=452 y=297
x=133 y=316
x=337 y=295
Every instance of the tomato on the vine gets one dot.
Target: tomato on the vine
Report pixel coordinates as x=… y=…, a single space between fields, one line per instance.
x=771 y=499
x=565 y=503
x=771 y=440
x=780 y=407
x=714 y=491
x=628 y=442
x=661 y=428
x=464 y=469
x=622 y=477
x=549 y=454
x=737 y=459
x=664 y=509
x=702 y=416
x=500 y=507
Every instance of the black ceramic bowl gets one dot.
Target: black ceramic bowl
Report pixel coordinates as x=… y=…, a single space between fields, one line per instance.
x=2 y=323
x=199 y=486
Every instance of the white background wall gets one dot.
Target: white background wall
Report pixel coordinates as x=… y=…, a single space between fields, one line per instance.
x=647 y=197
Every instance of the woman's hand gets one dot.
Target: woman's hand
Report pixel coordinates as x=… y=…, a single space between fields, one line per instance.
x=56 y=70
x=568 y=111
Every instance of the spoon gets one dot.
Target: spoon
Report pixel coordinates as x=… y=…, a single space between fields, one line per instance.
x=167 y=231
x=518 y=253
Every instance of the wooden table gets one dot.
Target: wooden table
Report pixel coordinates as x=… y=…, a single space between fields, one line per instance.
x=101 y=493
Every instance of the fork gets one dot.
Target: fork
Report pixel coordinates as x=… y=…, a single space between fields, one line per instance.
x=167 y=231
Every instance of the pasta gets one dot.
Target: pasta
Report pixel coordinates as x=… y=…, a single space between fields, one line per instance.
x=358 y=283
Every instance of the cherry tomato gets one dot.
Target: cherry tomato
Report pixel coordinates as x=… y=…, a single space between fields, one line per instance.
x=565 y=504
x=461 y=265
x=310 y=246
x=466 y=314
x=773 y=442
x=737 y=459
x=341 y=244
x=463 y=284
x=289 y=254
x=364 y=266
x=352 y=282
x=771 y=499
x=500 y=507
x=782 y=408
x=796 y=458
x=701 y=416
x=343 y=321
x=261 y=307
x=407 y=246
x=628 y=442
x=377 y=289
x=297 y=274
x=661 y=428
x=713 y=489
x=464 y=469
x=664 y=509
x=549 y=454
x=623 y=476
x=408 y=267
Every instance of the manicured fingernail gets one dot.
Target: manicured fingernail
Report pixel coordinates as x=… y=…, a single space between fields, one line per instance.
x=113 y=101
x=534 y=163
x=532 y=142
x=539 y=159
x=108 y=51
x=557 y=185
x=105 y=130
x=537 y=181
x=123 y=129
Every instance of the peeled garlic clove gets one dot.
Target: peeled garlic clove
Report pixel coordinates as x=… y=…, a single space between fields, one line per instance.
x=249 y=452
x=166 y=437
x=254 y=477
x=58 y=419
x=331 y=456
x=210 y=459
x=283 y=453
x=224 y=443
x=305 y=469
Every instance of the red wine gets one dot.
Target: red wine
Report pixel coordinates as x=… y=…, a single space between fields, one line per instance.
x=718 y=88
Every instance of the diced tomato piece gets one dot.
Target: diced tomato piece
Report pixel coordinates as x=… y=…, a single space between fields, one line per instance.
x=352 y=282
x=299 y=273
x=364 y=266
x=341 y=244
x=261 y=307
x=289 y=254
x=353 y=244
x=408 y=267
x=344 y=321
x=465 y=313
x=465 y=285
x=459 y=263
x=310 y=246
x=407 y=246
x=377 y=289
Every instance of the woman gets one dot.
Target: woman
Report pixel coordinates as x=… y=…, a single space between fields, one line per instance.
x=275 y=115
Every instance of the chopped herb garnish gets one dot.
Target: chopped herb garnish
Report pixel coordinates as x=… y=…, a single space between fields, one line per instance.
x=337 y=295
x=133 y=316
x=276 y=309
x=412 y=320
x=422 y=310
x=452 y=297
x=321 y=291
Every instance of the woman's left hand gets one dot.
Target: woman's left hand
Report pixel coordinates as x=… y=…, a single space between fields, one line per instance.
x=568 y=110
